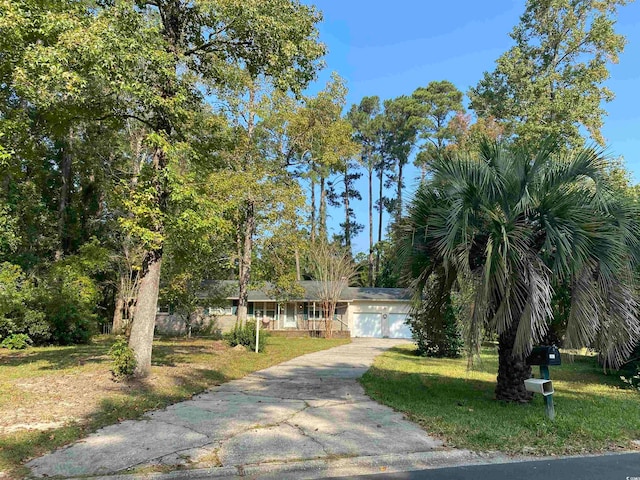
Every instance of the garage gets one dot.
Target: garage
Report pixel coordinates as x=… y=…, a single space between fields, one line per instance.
x=397 y=326
x=379 y=312
x=379 y=325
x=367 y=324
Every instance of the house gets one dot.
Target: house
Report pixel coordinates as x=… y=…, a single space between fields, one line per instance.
x=360 y=312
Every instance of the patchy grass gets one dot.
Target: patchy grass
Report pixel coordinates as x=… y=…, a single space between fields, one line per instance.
x=593 y=413
x=52 y=396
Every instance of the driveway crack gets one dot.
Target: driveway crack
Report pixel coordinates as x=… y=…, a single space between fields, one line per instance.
x=306 y=435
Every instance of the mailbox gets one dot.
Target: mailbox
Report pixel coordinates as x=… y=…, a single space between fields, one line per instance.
x=544 y=356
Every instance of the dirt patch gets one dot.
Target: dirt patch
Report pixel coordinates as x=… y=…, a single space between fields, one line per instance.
x=49 y=402
x=52 y=400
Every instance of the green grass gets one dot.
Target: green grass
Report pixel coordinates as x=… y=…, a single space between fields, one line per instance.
x=593 y=412
x=49 y=383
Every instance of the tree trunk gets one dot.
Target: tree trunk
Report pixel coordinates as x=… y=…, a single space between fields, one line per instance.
x=313 y=210
x=399 y=194
x=322 y=213
x=380 y=207
x=244 y=278
x=248 y=224
x=297 y=257
x=347 y=221
x=126 y=294
x=512 y=371
x=65 y=193
x=118 y=321
x=370 y=225
x=144 y=321
x=144 y=317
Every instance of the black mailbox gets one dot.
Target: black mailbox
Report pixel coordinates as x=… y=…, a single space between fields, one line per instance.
x=544 y=356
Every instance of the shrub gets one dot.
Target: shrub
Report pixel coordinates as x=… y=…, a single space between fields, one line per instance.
x=436 y=337
x=124 y=361
x=208 y=328
x=632 y=381
x=71 y=294
x=434 y=325
x=18 y=309
x=16 y=341
x=246 y=335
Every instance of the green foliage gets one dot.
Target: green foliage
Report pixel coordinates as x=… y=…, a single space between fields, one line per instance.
x=440 y=102
x=208 y=329
x=19 y=309
x=436 y=321
x=633 y=381
x=245 y=335
x=551 y=81
x=388 y=274
x=435 y=330
x=107 y=130
x=123 y=359
x=520 y=222
x=16 y=341
x=70 y=294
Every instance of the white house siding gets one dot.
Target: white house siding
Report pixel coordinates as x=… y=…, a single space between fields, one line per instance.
x=379 y=319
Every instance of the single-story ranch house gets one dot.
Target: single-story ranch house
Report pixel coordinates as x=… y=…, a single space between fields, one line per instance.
x=360 y=312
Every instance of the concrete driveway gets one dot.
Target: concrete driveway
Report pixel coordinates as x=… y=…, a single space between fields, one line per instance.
x=310 y=409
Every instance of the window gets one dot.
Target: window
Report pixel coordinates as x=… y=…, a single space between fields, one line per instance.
x=270 y=310
x=313 y=312
x=221 y=310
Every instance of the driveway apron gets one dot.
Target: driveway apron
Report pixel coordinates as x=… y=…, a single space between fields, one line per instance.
x=308 y=408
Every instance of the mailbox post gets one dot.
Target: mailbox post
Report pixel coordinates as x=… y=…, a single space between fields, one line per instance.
x=544 y=356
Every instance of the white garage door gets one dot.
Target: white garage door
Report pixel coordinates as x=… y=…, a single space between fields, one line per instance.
x=397 y=327
x=367 y=325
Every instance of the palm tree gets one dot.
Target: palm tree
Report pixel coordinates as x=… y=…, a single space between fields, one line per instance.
x=520 y=224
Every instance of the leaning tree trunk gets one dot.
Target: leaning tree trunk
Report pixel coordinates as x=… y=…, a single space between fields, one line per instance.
x=144 y=317
x=512 y=371
x=144 y=321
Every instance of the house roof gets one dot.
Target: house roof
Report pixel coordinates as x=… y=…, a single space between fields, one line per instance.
x=312 y=289
x=370 y=293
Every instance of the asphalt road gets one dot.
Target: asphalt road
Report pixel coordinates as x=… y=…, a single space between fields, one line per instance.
x=606 y=467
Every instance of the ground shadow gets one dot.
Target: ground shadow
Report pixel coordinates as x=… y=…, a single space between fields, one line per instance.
x=590 y=414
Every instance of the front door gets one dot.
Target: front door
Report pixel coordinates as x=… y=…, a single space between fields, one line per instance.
x=288 y=311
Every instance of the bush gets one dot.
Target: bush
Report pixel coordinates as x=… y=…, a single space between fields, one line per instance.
x=16 y=341
x=72 y=293
x=434 y=326
x=18 y=310
x=436 y=337
x=208 y=328
x=246 y=335
x=632 y=381
x=124 y=361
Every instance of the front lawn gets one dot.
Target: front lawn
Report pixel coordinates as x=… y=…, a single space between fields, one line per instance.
x=55 y=395
x=593 y=413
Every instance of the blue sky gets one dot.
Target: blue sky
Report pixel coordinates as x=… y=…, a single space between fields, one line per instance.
x=389 y=48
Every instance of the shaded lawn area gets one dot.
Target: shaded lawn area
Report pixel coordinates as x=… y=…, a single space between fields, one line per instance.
x=67 y=392
x=593 y=412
